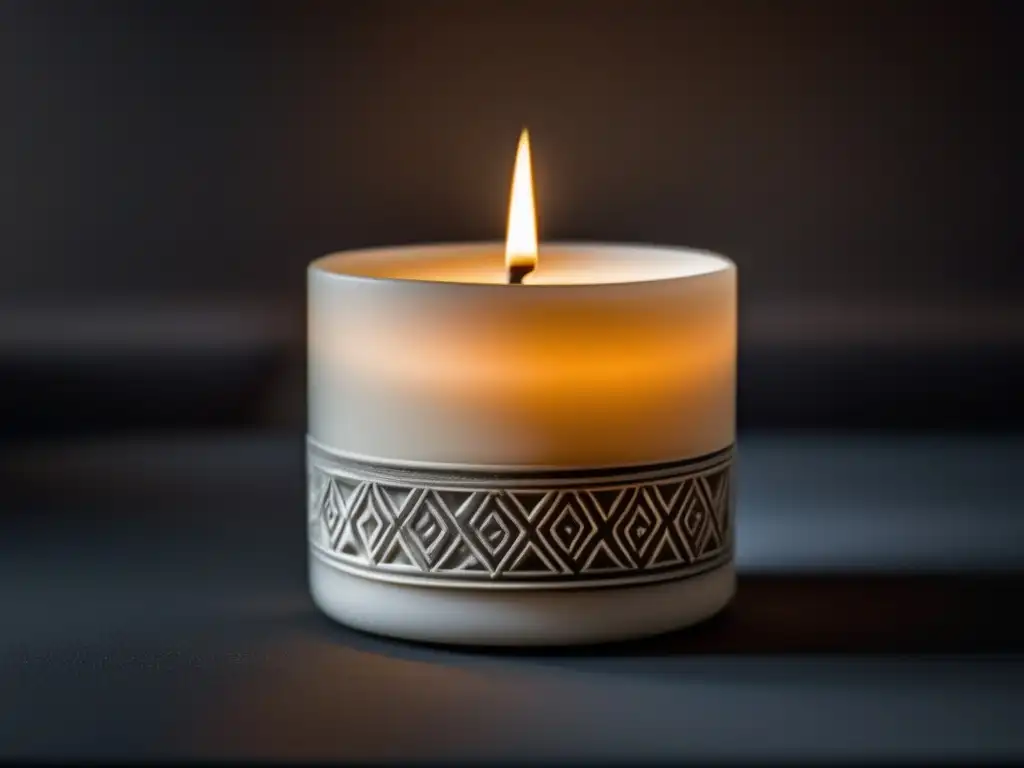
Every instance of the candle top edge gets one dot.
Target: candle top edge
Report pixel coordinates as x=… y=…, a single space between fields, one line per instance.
x=561 y=264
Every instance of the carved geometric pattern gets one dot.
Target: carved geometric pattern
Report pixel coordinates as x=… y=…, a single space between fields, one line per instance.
x=518 y=529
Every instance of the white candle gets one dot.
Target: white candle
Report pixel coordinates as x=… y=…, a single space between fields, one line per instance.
x=428 y=372
x=571 y=369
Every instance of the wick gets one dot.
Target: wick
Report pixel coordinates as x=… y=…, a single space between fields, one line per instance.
x=517 y=272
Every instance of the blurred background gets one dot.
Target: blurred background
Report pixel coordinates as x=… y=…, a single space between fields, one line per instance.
x=170 y=168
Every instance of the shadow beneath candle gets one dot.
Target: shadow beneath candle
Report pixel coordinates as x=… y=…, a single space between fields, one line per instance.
x=863 y=614
x=807 y=615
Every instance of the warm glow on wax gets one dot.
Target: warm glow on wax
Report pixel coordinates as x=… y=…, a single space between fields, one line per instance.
x=521 y=241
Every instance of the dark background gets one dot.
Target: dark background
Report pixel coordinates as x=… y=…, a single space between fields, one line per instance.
x=169 y=169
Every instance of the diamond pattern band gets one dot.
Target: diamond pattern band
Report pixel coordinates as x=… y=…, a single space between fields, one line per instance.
x=558 y=529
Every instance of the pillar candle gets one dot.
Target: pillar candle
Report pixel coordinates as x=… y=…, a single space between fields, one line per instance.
x=532 y=457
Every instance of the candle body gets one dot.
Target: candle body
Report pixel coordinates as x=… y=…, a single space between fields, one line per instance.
x=480 y=453
x=562 y=376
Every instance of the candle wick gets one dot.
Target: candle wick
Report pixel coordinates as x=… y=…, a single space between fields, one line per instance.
x=517 y=272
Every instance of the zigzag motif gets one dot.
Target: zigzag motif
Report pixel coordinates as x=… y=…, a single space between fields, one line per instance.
x=554 y=529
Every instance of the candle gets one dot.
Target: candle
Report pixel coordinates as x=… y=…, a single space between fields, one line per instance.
x=511 y=444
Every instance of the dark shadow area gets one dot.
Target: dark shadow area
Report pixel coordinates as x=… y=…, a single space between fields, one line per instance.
x=919 y=615
x=896 y=614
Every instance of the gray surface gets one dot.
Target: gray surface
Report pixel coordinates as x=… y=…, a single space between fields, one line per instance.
x=155 y=607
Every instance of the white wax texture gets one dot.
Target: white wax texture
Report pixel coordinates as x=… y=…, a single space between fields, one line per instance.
x=607 y=356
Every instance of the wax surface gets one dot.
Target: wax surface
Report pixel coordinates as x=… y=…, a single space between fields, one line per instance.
x=565 y=264
x=607 y=356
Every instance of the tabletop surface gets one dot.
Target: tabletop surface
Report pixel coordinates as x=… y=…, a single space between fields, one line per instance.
x=155 y=607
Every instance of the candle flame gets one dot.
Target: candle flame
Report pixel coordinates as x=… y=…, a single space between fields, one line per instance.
x=521 y=240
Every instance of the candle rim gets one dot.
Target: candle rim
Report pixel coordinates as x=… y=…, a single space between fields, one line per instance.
x=718 y=263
